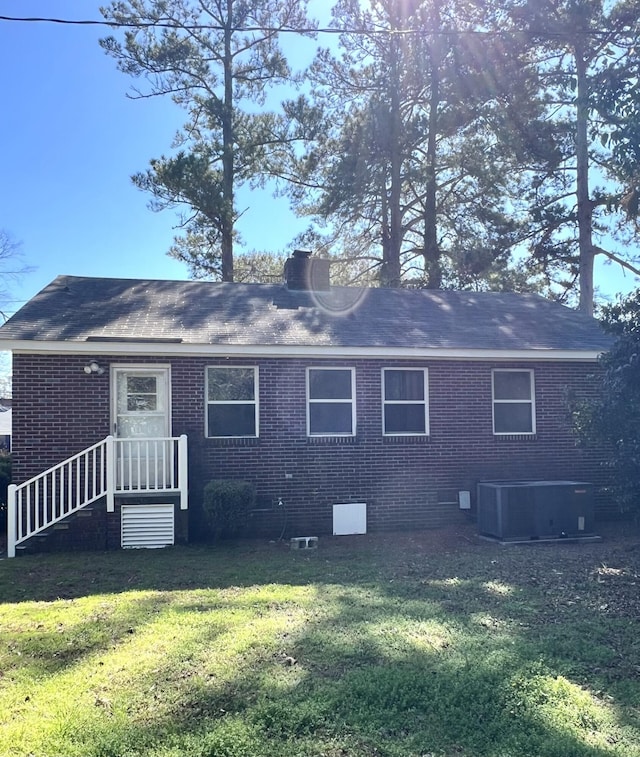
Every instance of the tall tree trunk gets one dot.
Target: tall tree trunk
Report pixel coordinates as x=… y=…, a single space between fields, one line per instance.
x=431 y=248
x=584 y=204
x=385 y=275
x=227 y=151
x=391 y=256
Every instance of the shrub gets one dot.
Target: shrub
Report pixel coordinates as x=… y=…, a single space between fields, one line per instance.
x=613 y=418
x=226 y=505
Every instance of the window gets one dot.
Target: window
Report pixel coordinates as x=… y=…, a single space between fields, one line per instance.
x=231 y=402
x=513 y=402
x=141 y=393
x=330 y=405
x=405 y=402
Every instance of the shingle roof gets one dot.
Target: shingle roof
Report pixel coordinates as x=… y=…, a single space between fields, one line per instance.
x=82 y=309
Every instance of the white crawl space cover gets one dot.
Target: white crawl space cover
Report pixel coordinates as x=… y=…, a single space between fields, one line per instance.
x=350 y=519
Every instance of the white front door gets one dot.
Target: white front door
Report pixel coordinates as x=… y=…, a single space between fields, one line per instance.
x=140 y=416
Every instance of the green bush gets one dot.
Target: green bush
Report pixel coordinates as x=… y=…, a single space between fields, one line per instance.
x=612 y=418
x=226 y=505
x=5 y=480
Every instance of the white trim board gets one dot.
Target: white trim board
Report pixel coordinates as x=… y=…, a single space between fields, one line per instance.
x=139 y=349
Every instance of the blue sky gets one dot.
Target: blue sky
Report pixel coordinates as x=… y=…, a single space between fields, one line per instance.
x=70 y=139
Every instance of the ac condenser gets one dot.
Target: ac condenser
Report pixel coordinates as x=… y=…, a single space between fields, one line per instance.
x=526 y=510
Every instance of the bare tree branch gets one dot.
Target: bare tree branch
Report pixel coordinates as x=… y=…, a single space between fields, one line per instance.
x=11 y=267
x=616 y=259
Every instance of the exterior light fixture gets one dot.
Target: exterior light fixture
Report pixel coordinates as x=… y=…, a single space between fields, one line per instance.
x=93 y=367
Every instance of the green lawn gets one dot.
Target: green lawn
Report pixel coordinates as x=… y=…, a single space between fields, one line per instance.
x=388 y=646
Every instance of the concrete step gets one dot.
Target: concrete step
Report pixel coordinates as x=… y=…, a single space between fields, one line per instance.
x=38 y=542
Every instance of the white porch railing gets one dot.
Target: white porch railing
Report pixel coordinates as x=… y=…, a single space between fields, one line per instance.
x=110 y=467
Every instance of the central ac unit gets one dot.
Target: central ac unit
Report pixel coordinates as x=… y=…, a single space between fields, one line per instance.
x=523 y=510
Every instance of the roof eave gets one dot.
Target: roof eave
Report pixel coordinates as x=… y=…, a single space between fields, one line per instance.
x=153 y=349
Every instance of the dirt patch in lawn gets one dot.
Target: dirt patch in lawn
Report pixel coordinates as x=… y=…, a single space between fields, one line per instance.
x=463 y=537
x=603 y=576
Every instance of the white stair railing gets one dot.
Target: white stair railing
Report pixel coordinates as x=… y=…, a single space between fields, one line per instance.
x=109 y=467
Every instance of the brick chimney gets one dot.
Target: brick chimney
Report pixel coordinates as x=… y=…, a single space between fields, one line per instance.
x=302 y=272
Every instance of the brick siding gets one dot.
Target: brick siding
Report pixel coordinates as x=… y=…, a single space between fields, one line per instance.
x=59 y=410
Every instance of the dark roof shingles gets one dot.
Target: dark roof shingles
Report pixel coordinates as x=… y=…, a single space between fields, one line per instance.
x=77 y=309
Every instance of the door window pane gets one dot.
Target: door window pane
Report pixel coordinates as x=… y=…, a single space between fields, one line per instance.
x=142 y=393
x=142 y=402
x=141 y=384
x=141 y=426
x=138 y=394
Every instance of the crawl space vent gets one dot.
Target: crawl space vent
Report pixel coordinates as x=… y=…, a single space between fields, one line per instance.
x=147 y=526
x=350 y=518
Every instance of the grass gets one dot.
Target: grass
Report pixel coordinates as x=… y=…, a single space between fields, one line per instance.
x=386 y=646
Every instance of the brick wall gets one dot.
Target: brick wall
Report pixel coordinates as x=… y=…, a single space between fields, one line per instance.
x=61 y=410
x=406 y=482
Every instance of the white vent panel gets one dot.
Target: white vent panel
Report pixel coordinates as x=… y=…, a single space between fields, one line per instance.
x=464 y=499
x=350 y=518
x=147 y=526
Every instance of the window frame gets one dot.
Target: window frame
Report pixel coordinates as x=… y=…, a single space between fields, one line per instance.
x=351 y=401
x=255 y=402
x=531 y=401
x=425 y=402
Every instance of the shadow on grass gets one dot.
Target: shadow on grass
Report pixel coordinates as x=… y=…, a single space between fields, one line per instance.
x=370 y=678
x=46 y=651
x=476 y=654
x=369 y=702
x=48 y=577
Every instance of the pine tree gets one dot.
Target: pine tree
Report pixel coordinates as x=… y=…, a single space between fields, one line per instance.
x=410 y=172
x=217 y=59
x=582 y=51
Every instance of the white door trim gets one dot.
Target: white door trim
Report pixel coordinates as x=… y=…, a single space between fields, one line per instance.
x=117 y=368
x=142 y=464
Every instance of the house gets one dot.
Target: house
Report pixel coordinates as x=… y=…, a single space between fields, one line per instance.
x=395 y=402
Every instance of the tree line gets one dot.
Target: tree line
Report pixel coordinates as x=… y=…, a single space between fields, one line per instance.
x=435 y=143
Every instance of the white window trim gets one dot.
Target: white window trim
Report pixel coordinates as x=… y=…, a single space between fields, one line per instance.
x=256 y=400
x=351 y=401
x=531 y=400
x=425 y=402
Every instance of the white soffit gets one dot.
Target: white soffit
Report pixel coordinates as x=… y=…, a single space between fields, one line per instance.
x=133 y=349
